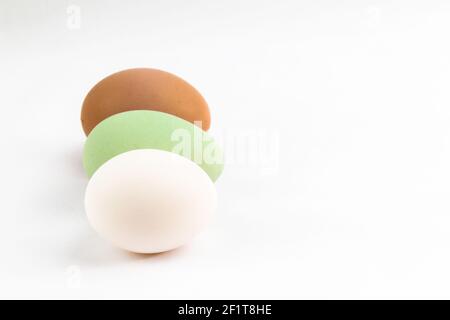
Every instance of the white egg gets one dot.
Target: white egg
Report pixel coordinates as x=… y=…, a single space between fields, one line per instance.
x=149 y=201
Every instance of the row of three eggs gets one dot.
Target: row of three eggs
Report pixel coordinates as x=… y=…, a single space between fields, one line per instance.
x=152 y=164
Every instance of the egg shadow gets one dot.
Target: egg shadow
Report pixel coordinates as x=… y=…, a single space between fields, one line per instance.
x=62 y=181
x=92 y=251
x=159 y=256
x=74 y=159
x=70 y=189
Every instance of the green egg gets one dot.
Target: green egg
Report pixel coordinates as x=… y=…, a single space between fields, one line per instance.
x=143 y=129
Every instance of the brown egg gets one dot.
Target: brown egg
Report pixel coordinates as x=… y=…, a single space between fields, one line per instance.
x=143 y=89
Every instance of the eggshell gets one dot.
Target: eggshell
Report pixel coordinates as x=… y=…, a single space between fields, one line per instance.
x=149 y=201
x=143 y=89
x=143 y=129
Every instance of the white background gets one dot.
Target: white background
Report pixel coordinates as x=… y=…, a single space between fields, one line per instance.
x=356 y=92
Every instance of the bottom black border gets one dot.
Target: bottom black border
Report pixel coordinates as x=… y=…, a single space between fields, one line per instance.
x=229 y=309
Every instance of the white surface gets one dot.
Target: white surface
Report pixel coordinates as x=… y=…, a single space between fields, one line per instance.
x=150 y=201
x=356 y=92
